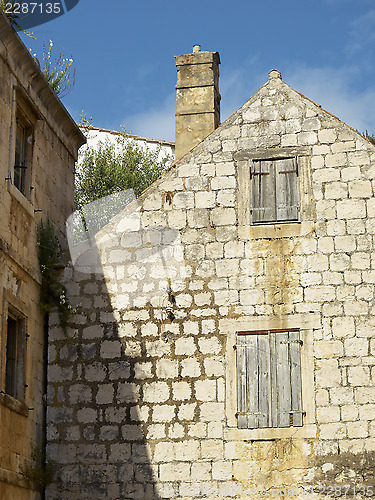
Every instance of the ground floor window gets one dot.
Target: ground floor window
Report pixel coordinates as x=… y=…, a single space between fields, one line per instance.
x=15 y=355
x=269 y=381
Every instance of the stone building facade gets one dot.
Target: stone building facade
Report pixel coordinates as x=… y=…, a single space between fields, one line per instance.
x=38 y=149
x=225 y=344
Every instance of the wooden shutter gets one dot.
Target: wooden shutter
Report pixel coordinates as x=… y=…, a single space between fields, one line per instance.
x=263 y=194
x=269 y=384
x=247 y=382
x=287 y=192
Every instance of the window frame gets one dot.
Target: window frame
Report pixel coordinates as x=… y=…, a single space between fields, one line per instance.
x=24 y=112
x=306 y=323
x=15 y=309
x=306 y=223
x=15 y=359
x=271 y=180
x=23 y=148
x=268 y=365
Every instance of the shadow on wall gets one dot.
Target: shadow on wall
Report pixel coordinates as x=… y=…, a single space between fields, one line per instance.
x=98 y=422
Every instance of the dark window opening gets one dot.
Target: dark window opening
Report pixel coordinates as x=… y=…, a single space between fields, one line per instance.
x=23 y=153
x=15 y=350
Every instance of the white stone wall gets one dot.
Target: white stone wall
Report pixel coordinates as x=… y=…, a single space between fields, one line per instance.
x=141 y=407
x=95 y=136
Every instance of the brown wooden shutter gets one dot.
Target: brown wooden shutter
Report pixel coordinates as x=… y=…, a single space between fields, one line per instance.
x=287 y=192
x=269 y=383
x=263 y=194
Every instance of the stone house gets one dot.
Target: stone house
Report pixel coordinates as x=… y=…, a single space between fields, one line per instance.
x=225 y=343
x=38 y=149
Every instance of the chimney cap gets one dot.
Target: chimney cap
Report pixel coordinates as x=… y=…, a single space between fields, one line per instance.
x=274 y=74
x=196 y=48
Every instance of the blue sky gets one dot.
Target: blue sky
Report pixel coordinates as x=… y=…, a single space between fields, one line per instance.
x=124 y=52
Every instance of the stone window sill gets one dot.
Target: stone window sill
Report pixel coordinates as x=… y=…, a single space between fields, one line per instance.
x=26 y=204
x=284 y=230
x=306 y=431
x=14 y=404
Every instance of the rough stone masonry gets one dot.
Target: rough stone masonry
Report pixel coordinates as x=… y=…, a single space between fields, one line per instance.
x=143 y=389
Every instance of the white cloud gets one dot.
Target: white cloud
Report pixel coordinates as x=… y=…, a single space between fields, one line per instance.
x=156 y=123
x=334 y=90
x=362 y=32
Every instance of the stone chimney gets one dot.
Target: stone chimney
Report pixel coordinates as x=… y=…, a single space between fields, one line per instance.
x=197 y=98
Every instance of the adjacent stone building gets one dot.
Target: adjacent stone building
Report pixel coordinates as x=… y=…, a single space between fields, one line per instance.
x=38 y=149
x=225 y=342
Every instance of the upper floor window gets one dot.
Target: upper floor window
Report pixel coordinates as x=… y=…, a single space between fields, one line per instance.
x=274 y=191
x=23 y=153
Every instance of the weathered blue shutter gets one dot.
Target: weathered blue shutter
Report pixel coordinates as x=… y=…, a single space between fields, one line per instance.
x=263 y=194
x=287 y=191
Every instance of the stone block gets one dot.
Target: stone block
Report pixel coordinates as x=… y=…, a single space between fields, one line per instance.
x=212 y=412
x=214 y=367
x=190 y=368
x=328 y=349
x=333 y=431
x=223 y=216
x=87 y=415
x=328 y=373
x=127 y=392
x=306 y=138
x=359 y=376
x=209 y=345
x=205 y=390
x=139 y=413
x=327 y=136
x=343 y=327
x=223 y=182
x=166 y=368
x=200 y=471
x=163 y=413
x=357 y=430
x=110 y=349
x=225 y=297
x=105 y=394
x=212 y=449
x=174 y=471
x=186 y=451
x=328 y=414
x=143 y=370
x=132 y=432
x=358 y=158
x=185 y=346
x=222 y=470
x=188 y=170
x=176 y=431
x=351 y=209
x=198 y=430
x=342 y=395
x=186 y=411
x=155 y=392
x=183 y=200
x=181 y=391
x=335 y=191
